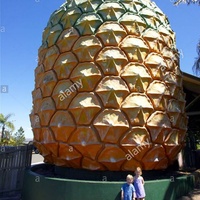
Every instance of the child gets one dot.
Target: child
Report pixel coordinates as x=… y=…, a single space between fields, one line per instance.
x=139 y=184
x=128 y=190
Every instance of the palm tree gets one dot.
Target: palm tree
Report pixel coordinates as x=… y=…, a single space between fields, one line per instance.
x=196 y=66
x=5 y=124
x=187 y=1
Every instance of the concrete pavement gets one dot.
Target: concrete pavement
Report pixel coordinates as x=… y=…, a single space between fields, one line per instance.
x=36 y=159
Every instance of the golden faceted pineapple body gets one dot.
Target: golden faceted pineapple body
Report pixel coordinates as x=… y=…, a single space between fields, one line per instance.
x=108 y=93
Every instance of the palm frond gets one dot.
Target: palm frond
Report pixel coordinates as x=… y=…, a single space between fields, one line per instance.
x=2 y=119
x=5 y=123
x=177 y=2
x=196 y=67
x=10 y=125
x=8 y=116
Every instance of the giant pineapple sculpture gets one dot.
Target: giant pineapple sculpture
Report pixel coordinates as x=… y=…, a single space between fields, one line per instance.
x=108 y=89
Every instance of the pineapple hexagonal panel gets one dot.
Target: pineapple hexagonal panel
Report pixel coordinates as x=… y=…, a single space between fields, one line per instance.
x=46 y=111
x=48 y=83
x=159 y=94
x=133 y=6
x=84 y=107
x=111 y=60
x=134 y=24
x=65 y=64
x=151 y=17
x=70 y=154
x=130 y=165
x=135 y=48
x=47 y=140
x=70 y=17
x=35 y=121
x=36 y=134
x=87 y=24
x=37 y=99
x=111 y=125
x=41 y=53
x=67 y=39
x=111 y=11
x=39 y=71
x=174 y=109
x=154 y=40
x=138 y=107
x=56 y=16
x=112 y=91
x=62 y=125
x=50 y=57
x=155 y=158
x=88 y=74
x=86 y=48
x=88 y=6
x=86 y=141
x=157 y=65
x=111 y=33
x=159 y=125
x=167 y=35
x=90 y=164
x=112 y=157
x=63 y=94
x=136 y=143
x=137 y=77
x=55 y=32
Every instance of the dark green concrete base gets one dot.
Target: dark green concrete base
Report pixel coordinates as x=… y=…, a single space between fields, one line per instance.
x=38 y=187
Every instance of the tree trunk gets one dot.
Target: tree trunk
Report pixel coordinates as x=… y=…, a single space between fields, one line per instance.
x=2 y=133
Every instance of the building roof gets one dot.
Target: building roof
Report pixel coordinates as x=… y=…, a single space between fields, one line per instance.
x=191 y=85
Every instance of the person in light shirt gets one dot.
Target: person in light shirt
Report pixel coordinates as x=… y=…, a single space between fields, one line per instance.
x=139 y=184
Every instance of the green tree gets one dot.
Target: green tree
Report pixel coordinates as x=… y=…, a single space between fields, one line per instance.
x=5 y=124
x=177 y=2
x=196 y=66
x=19 y=137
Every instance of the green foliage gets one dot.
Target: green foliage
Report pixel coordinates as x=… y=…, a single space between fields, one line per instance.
x=196 y=66
x=14 y=140
x=5 y=124
x=7 y=127
x=194 y=131
x=8 y=142
x=4 y=121
x=19 y=137
x=177 y=2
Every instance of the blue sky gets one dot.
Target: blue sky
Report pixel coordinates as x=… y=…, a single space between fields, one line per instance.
x=21 y=26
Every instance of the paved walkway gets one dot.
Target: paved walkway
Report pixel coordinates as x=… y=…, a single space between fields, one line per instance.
x=36 y=159
x=194 y=195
